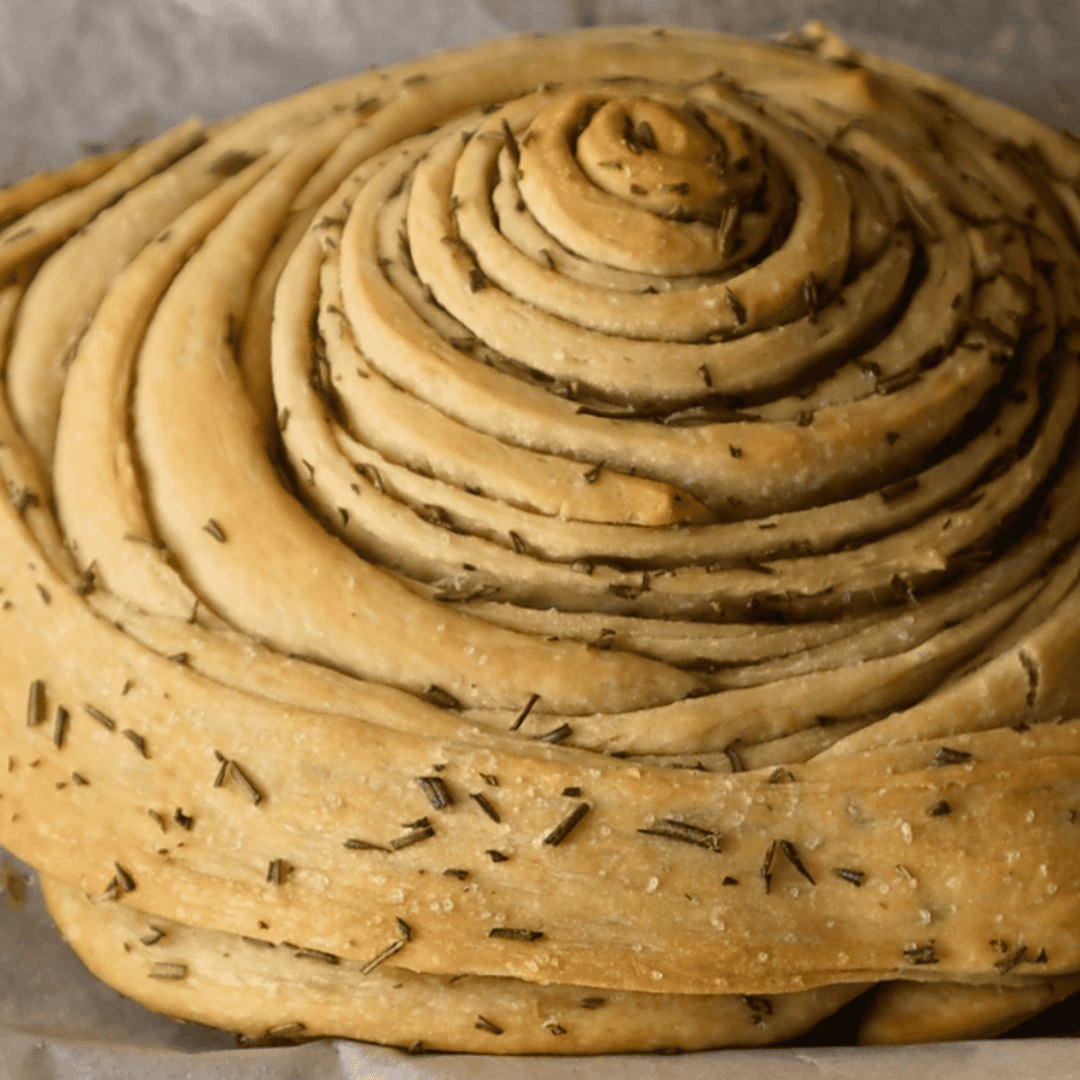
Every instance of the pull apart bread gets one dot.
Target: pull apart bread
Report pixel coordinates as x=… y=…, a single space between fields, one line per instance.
x=564 y=546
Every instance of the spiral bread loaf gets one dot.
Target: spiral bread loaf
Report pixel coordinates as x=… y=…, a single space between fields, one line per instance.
x=563 y=546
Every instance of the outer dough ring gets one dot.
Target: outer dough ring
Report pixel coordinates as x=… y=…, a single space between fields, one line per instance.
x=1035 y=647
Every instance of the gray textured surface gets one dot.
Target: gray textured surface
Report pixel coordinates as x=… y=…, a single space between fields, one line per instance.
x=75 y=73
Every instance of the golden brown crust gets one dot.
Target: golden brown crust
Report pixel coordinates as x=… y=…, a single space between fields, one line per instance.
x=574 y=522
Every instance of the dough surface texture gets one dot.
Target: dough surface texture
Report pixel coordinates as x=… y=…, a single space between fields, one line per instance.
x=564 y=546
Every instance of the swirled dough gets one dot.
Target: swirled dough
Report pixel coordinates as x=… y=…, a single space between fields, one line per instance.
x=564 y=546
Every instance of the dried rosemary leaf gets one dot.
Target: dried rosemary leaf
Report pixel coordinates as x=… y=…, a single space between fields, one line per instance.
x=434 y=787
x=277 y=871
x=568 y=824
x=948 y=756
x=223 y=771
x=436 y=695
x=533 y=699
x=560 y=733
x=515 y=934
x=921 y=954
x=136 y=740
x=670 y=829
x=364 y=845
x=735 y=306
x=35 y=703
x=390 y=950
x=856 y=877
x=759 y=1006
x=788 y=848
x=811 y=297
x=767 y=865
x=1020 y=956
x=317 y=954
x=411 y=838
x=168 y=971
x=482 y=802
x=594 y=473
x=244 y=781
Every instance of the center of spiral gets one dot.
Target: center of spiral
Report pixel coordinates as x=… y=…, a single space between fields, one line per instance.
x=680 y=163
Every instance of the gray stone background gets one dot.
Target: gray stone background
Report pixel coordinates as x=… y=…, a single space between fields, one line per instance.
x=75 y=74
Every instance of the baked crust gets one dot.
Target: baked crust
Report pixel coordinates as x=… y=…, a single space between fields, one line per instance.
x=570 y=522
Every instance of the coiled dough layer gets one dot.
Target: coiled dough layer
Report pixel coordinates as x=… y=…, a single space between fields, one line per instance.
x=481 y=531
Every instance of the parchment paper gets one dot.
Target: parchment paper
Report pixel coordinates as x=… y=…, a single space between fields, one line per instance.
x=81 y=75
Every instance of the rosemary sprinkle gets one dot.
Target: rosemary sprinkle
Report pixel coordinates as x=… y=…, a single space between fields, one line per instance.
x=946 y=755
x=558 y=735
x=389 y=951
x=434 y=787
x=567 y=825
x=245 y=782
x=364 y=845
x=136 y=740
x=60 y=726
x=413 y=837
x=685 y=833
x=168 y=971
x=482 y=802
x=533 y=699
x=316 y=954
x=856 y=877
x=35 y=703
x=788 y=848
x=921 y=954
x=767 y=865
